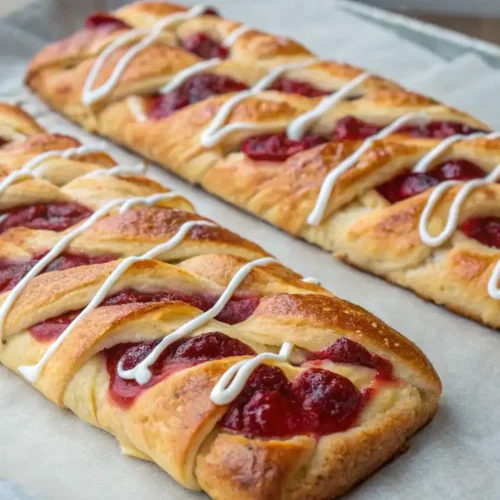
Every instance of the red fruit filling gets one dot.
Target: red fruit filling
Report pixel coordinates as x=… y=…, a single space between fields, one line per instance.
x=347 y=351
x=350 y=128
x=277 y=147
x=297 y=87
x=104 y=22
x=236 y=310
x=211 y=12
x=2 y=142
x=354 y=129
x=460 y=170
x=486 y=230
x=49 y=216
x=193 y=90
x=181 y=354
x=204 y=46
x=409 y=184
x=318 y=402
x=11 y=271
x=439 y=129
x=406 y=185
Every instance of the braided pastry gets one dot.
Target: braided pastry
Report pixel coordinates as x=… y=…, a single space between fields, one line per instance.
x=320 y=149
x=191 y=345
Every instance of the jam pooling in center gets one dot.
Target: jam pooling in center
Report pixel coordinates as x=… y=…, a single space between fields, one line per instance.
x=180 y=355
x=317 y=402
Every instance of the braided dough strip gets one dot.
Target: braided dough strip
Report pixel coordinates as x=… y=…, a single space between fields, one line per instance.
x=285 y=193
x=174 y=422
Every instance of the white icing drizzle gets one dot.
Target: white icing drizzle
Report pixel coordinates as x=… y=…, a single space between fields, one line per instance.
x=140 y=168
x=300 y=125
x=316 y=216
x=136 y=107
x=462 y=194
x=234 y=379
x=147 y=201
x=216 y=130
x=146 y=38
x=63 y=243
x=234 y=35
x=34 y=166
x=454 y=212
x=187 y=73
x=424 y=163
x=141 y=372
x=32 y=373
x=493 y=290
x=311 y=280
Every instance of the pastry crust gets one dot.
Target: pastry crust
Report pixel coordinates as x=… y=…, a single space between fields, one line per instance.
x=283 y=192
x=174 y=421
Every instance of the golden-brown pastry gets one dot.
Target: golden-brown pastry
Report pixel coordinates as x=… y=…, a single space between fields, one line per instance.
x=320 y=149
x=190 y=344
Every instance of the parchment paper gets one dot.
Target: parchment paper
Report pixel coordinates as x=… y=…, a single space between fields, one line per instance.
x=53 y=455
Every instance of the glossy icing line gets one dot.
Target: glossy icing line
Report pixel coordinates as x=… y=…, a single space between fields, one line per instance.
x=316 y=215
x=32 y=373
x=424 y=163
x=302 y=123
x=141 y=373
x=311 y=280
x=234 y=35
x=136 y=107
x=61 y=245
x=187 y=73
x=234 y=379
x=140 y=168
x=33 y=167
x=146 y=38
x=216 y=130
x=454 y=212
x=453 y=218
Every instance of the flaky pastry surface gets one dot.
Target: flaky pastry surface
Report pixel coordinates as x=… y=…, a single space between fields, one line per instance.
x=174 y=422
x=282 y=192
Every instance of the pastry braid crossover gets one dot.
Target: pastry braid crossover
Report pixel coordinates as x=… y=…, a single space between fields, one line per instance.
x=194 y=347
x=330 y=153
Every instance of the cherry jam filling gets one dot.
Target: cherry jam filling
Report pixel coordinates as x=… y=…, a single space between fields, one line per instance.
x=104 y=22
x=486 y=230
x=297 y=87
x=277 y=147
x=439 y=129
x=205 y=47
x=350 y=128
x=238 y=309
x=354 y=129
x=193 y=90
x=49 y=216
x=12 y=272
x=345 y=350
x=318 y=402
x=408 y=184
x=180 y=355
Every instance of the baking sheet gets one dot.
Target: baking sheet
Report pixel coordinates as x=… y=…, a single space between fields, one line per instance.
x=53 y=455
